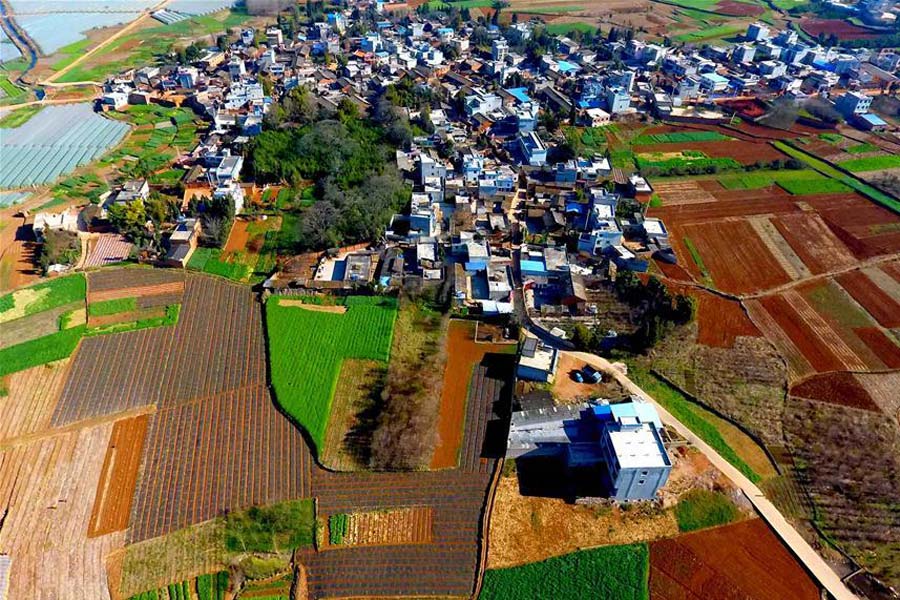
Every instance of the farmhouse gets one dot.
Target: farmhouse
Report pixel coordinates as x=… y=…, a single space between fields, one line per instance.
x=183 y=242
x=622 y=440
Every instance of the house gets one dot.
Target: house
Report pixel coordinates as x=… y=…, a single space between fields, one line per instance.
x=640 y=188
x=618 y=100
x=537 y=362
x=183 y=242
x=620 y=444
x=499 y=49
x=66 y=220
x=131 y=190
x=853 y=103
x=533 y=149
x=757 y=32
x=597 y=117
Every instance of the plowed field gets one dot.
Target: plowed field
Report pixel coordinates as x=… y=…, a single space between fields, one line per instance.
x=876 y=301
x=735 y=256
x=115 y=490
x=746 y=153
x=745 y=560
x=816 y=245
x=840 y=388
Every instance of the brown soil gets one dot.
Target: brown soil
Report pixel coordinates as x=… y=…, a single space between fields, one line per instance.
x=335 y=308
x=744 y=560
x=527 y=529
x=886 y=350
x=237 y=239
x=127 y=317
x=876 y=301
x=346 y=444
x=115 y=490
x=839 y=388
x=463 y=353
x=567 y=391
x=411 y=525
x=746 y=153
x=738 y=9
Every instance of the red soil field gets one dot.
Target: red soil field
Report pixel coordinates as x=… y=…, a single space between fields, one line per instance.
x=745 y=560
x=115 y=489
x=109 y=284
x=676 y=272
x=127 y=317
x=887 y=351
x=892 y=269
x=748 y=108
x=841 y=388
x=721 y=321
x=801 y=334
x=462 y=354
x=814 y=243
x=865 y=228
x=743 y=204
x=842 y=29
x=738 y=9
x=737 y=259
x=238 y=238
x=876 y=301
x=744 y=152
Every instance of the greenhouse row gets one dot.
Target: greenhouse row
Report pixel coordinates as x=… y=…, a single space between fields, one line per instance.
x=53 y=143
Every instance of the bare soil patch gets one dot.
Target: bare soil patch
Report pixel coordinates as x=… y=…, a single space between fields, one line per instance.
x=115 y=490
x=339 y=309
x=841 y=388
x=567 y=391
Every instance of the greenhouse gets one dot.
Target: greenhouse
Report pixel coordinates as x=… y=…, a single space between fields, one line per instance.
x=53 y=143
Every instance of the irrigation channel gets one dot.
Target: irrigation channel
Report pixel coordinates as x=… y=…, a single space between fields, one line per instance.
x=15 y=34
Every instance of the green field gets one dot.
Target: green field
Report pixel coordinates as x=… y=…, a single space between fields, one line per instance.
x=611 y=572
x=306 y=349
x=42 y=350
x=71 y=53
x=680 y=137
x=710 y=33
x=829 y=171
x=20 y=116
x=798 y=182
x=43 y=296
x=211 y=586
x=439 y=5
x=862 y=148
x=566 y=28
x=169 y=318
x=111 y=307
x=691 y=415
x=688 y=159
x=871 y=163
x=699 y=509
x=209 y=260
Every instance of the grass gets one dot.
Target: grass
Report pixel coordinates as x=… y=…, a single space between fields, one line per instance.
x=684 y=159
x=88 y=186
x=71 y=53
x=622 y=159
x=871 y=163
x=619 y=572
x=112 y=307
x=700 y=509
x=831 y=138
x=680 y=137
x=439 y=5
x=691 y=415
x=43 y=296
x=210 y=586
x=280 y=527
x=829 y=171
x=306 y=349
x=20 y=116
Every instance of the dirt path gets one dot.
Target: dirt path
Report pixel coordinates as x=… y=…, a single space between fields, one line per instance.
x=127 y=29
x=799 y=546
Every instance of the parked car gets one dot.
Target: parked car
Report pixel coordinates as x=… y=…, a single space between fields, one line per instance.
x=591 y=374
x=577 y=376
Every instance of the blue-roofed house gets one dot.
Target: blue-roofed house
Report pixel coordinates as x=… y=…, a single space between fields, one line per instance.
x=519 y=94
x=870 y=122
x=622 y=441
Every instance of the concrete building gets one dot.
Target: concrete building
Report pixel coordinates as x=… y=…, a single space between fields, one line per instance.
x=537 y=362
x=757 y=32
x=853 y=103
x=499 y=49
x=533 y=149
x=743 y=54
x=618 y=100
x=620 y=443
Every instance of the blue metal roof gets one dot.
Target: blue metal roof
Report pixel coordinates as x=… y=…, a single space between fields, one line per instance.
x=873 y=119
x=533 y=266
x=519 y=94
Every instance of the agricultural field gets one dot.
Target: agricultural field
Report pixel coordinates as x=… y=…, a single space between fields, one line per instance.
x=743 y=560
x=308 y=346
x=411 y=525
x=54 y=142
x=609 y=572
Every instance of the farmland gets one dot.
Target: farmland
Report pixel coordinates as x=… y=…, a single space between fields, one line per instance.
x=610 y=572
x=744 y=560
x=411 y=525
x=307 y=348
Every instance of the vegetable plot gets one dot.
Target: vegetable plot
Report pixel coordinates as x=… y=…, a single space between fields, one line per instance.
x=306 y=349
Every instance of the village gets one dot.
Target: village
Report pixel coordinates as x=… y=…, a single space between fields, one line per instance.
x=573 y=276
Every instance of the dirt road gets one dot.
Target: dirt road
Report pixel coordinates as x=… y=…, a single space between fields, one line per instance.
x=819 y=569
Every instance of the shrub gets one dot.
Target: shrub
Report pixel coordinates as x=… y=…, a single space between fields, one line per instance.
x=276 y=528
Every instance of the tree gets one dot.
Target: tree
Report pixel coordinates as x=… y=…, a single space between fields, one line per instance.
x=59 y=248
x=129 y=218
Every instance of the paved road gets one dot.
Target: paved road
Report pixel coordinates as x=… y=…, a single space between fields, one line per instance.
x=825 y=575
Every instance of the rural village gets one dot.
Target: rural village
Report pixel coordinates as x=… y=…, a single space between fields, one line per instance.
x=468 y=299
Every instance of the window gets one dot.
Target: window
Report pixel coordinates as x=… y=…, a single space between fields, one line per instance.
x=644 y=473
x=642 y=481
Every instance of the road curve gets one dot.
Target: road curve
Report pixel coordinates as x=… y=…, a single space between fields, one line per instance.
x=814 y=563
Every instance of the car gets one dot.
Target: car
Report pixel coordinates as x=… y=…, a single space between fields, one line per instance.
x=577 y=376
x=591 y=374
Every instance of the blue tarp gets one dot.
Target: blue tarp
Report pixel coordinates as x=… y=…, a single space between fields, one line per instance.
x=533 y=266
x=519 y=94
